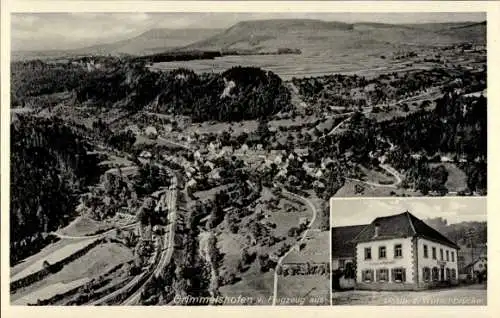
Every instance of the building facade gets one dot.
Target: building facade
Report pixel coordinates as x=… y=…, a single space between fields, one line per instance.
x=401 y=252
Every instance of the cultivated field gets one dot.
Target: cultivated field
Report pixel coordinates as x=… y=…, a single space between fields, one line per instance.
x=97 y=261
x=52 y=254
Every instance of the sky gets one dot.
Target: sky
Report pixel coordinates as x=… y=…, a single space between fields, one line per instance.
x=364 y=211
x=44 y=31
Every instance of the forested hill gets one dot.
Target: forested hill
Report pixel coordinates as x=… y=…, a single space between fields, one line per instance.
x=463 y=233
x=240 y=93
x=49 y=163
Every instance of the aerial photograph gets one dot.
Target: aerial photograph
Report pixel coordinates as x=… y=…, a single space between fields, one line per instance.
x=409 y=251
x=193 y=158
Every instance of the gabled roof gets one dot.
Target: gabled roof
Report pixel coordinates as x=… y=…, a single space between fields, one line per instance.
x=401 y=226
x=342 y=236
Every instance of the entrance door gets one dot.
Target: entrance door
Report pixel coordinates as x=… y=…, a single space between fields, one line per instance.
x=442 y=274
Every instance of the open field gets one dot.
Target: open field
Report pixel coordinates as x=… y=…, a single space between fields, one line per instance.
x=348 y=190
x=51 y=254
x=457 y=179
x=474 y=295
x=97 y=261
x=289 y=66
x=303 y=290
x=257 y=285
x=375 y=176
x=83 y=225
x=48 y=291
x=316 y=250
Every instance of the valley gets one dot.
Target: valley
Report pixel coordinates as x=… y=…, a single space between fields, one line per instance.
x=137 y=182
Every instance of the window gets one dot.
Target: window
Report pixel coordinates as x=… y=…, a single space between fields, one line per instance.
x=452 y=256
x=398 y=275
x=367 y=275
x=426 y=252
x=368 y=253
x=381 y=252
x=433 y=253
x=447 y=256
x=448 y=274
x=426 y=274
x=383 y=275
x=453 y=274
x=441 y=254
x=435 y=274
x=398 y=250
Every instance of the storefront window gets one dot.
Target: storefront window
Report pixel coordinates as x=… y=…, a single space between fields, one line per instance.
x=398 y=275
x=435 y=274
x=367 y=275
x=383 y=275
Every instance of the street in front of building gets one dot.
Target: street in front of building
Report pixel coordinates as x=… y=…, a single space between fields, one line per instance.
x=472 y=295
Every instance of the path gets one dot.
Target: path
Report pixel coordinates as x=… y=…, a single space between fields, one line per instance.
x=297 y=244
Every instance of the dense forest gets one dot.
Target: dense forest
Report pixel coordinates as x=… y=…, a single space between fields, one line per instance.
x=49 y=165
x=240 y=93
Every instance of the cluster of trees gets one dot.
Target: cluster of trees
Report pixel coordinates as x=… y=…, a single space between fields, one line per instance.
x=132 y=86
x=150 y=178
x=192 y=273
x=470 y=234
x=34 y=78
x=255 y=93
x=237 y=94
x=49 y=164
x=304 y=269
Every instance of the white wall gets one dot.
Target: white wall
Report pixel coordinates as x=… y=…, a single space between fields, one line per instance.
x=430 y=262
x=389 y=262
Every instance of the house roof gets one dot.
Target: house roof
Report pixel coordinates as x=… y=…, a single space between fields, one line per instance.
x=400 y=226
x=342 y=236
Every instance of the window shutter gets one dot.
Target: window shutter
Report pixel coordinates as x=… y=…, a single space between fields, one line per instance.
x=404 y=275
x=393 y=275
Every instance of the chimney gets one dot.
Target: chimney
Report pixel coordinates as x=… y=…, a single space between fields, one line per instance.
x=377 y=228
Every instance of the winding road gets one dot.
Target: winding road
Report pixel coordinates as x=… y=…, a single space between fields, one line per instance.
x=296 y=245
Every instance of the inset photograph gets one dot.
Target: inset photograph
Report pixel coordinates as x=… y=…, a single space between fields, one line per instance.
x=409 y=251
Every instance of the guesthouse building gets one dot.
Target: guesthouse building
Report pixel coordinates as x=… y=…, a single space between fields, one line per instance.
x=401 y=252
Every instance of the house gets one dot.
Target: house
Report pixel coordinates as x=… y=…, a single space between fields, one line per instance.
x=475 y=269
x=145 y=154
x=401 y=252
x=468 y=256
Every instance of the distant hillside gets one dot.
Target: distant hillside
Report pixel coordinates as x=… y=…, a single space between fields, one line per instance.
x=316 y=36
x=149 y=42
x=153 y=41
x=312 y=37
